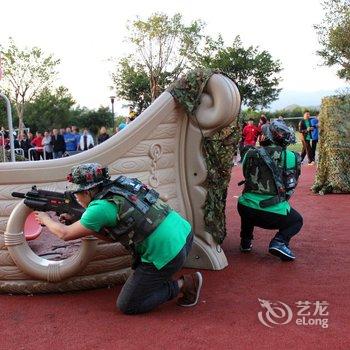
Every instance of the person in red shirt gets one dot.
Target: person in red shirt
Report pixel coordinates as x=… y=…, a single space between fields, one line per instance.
x=37 y=143
x=250 y=133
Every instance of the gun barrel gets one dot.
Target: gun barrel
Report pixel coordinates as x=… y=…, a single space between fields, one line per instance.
x=18 y=194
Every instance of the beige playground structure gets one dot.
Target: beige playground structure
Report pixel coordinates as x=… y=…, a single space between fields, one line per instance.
x=163 y=148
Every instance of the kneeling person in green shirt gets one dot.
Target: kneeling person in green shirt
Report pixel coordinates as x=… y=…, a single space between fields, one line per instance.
x=127 y=211
x=271 y=175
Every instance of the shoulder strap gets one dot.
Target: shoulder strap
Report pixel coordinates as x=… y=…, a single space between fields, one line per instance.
x=276 y=173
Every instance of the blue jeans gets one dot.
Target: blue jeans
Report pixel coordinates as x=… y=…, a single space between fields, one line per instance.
x=149 y=287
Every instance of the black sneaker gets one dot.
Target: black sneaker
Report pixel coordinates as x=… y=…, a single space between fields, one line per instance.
x=246 y=245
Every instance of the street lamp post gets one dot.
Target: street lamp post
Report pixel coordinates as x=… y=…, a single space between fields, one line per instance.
x=112 y=102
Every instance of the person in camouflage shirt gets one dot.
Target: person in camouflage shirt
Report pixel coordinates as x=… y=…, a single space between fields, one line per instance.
x=271 y=175
x=127 y=211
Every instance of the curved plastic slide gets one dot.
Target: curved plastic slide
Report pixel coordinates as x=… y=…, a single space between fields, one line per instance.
x=163 y=148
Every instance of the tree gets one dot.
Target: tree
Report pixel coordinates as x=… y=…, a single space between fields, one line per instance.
x=132 y=84
x=27 y=73
x=163 y=47
x=334 y=36
x=50 y=109
x=254 y=71
x=92 y=119
x=166 y=48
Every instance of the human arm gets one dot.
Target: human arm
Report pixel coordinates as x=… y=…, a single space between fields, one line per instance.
x=65 y=232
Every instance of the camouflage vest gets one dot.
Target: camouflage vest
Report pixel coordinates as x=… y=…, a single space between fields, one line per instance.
x=265 y=172
x=140 y=211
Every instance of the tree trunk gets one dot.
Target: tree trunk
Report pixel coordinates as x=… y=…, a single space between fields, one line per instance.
x=154 y=87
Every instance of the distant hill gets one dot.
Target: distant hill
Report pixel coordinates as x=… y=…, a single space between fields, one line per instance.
x=290 y=99
x=294 y=106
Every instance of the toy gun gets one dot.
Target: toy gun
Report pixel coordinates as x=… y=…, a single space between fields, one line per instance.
x=42 y=200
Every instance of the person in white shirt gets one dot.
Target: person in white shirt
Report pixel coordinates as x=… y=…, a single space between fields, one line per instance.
x=86 y=141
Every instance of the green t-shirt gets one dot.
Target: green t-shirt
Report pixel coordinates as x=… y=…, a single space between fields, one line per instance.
x=159 y=248
x=252 y=200
x=307 y=135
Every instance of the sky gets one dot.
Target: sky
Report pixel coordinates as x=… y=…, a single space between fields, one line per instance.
x=86 y=34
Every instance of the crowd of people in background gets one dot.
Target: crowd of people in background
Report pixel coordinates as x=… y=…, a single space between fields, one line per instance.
x=58 y=143
x=307 y=127
x=67 y=141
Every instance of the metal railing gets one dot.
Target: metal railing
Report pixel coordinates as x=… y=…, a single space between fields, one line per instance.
x=31 y=152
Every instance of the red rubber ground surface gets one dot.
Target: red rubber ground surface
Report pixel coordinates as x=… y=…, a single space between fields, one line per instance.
x=227 y=316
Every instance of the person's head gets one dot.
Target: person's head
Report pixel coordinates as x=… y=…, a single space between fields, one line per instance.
x=121 y=126
x=279 y=133
x=250 y=121
x=30 y=135
x=306 y=114
x=74 y=128
x=68 y=130
x=263 y=119
x=55 y=132
x=280 y=117
x=38 y=134
x=62 y=130
x=103 y=130
x=86 y=181
x=85 y=131
x=46 y=134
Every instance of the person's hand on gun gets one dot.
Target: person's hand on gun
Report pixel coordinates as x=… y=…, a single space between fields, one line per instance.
x=42 y=217
x=66 y=219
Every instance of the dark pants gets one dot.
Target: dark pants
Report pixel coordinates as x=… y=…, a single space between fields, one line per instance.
x=149 y=287
x=288 y=225
x=313 y=148
x=306 y=151
x=57 y=154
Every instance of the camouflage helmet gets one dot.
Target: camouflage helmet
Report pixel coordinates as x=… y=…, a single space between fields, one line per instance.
x=279 y=133
x=87 y=176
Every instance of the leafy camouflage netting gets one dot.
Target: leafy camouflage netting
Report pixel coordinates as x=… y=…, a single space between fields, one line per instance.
x=219 y=150
x=333 y=175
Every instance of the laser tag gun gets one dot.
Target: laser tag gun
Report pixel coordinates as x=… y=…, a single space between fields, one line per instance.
x=60 y=203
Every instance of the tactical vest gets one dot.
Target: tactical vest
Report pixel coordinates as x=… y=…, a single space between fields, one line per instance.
x=265 y=172
x=140 y=211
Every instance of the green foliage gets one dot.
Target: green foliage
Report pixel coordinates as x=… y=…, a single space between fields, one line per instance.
x=118 y=120
x=162 y=49
x=50 y=110
x=92 y=119
x=132 y=84
x=334 y=146
x=334 y=36
x=254 y=71
x=3 y=114
x=295 y=113
x=6 y=156
x=218 y=151
x=165 y=48
x=27 y=72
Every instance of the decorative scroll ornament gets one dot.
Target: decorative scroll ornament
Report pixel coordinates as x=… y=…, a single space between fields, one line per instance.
x=155 y=152
x=218 y=150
